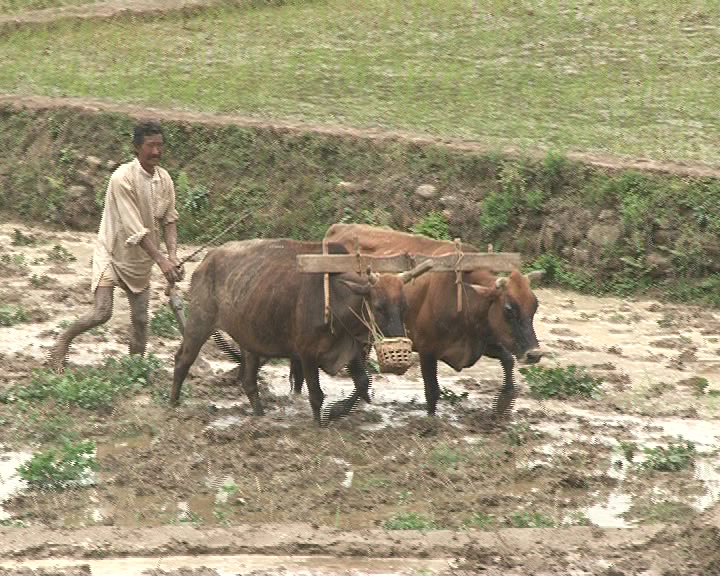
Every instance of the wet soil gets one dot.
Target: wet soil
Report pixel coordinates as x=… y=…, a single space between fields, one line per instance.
x=553 y=467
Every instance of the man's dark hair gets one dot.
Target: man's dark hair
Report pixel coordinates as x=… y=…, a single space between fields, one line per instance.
x=146 y=129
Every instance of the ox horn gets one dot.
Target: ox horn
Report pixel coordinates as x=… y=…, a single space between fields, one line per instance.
x=501 y=283
x=417 y=271
x=535 y=275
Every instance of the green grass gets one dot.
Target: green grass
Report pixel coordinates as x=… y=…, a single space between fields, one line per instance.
x=633 y=78
x=678 y=455
x=52 y=469
x=410 y=521
x=92 y=387
x=11 y=314
x=12 y=6
x=561 y=382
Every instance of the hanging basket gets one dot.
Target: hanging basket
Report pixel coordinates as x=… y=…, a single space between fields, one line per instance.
x=394 y=355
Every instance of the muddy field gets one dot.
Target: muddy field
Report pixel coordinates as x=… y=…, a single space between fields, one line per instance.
x=554 y=476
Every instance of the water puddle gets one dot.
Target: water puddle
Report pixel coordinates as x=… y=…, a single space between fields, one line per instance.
x=10 y=482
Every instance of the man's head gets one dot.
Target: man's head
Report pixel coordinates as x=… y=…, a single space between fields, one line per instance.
x=149 y=141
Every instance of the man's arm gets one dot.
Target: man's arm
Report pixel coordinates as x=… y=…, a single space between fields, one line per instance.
x=169 y=269
x=171 y=243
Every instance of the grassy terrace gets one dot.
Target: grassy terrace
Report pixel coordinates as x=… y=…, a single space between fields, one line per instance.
x=636 y=78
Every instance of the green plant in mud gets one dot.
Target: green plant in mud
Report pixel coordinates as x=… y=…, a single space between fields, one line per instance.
x=519 y=433
x=15 y=261
x=11 y=314
x=60 y=254
x=434 y=225
x=42 y=281
x=480 y=520
x=410 y=521
x=452 y=398
x=446 y=456
x=92 y=388
x=679 y=454
x=561 y=382
x=54 y=469
x=164 y=323
x=629 y=449
x=527 y=519
x=21 y=239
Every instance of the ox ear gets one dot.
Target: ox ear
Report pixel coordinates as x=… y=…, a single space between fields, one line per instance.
x=535 y=275
x=362 y=288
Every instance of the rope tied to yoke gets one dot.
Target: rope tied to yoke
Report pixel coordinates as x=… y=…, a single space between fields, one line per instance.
x=458 y=273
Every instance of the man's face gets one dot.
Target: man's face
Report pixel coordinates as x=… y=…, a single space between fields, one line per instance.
x=150 y=151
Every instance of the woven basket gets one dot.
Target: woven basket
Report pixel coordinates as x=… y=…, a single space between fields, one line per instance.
x=394 y=355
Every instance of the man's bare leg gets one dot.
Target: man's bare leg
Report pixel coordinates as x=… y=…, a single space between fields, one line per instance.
x=101 y=313
x=139 y=320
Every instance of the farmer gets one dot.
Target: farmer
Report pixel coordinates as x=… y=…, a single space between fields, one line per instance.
x=139 y=210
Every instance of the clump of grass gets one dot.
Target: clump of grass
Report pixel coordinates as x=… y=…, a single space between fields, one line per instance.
x=52 y=469
x=92 y=388
x=435 y=225
x=11 y=314
x=446 y=456
x=479 y=520
x=530 y=520
x=164 y=323
x=561 y=382
x=22 y=239
x=42 y=281
x=629 y=449
x=677 y=455
x=519 y=433
x=410 y=521
x=60 y=254
x=451 y=397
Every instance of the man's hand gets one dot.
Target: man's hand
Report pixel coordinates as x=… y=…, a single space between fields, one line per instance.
x=171 y=271
x=179 y=267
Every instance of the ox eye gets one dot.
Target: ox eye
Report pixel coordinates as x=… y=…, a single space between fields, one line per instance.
x=509 y=310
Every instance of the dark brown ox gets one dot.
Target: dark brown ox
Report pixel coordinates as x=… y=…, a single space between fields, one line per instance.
x=253 y=291
x=496 y=318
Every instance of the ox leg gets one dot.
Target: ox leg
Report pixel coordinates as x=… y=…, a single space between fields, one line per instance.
x=428 y=368
x=503 y=402
x=194 y=337
x=361 y=379
x=296 y=375
x=250 y=369
x=312 y=377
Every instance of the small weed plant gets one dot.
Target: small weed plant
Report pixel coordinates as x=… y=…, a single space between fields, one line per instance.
x=678 y=455
x=452 y=398
x=164 y=324
x=42 y=281
x=519 y=433
x=561 y=382
x=530 y=520
x=57 y=469
x=60 y=254
x=435 y=225
x=22 y=239
x=11 y=314
x=446 y=456
x=410 y=521
x=480 y=520
x=629 y=449
x=92 y=388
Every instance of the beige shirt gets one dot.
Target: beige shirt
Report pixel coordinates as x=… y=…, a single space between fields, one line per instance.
x=136 y=204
